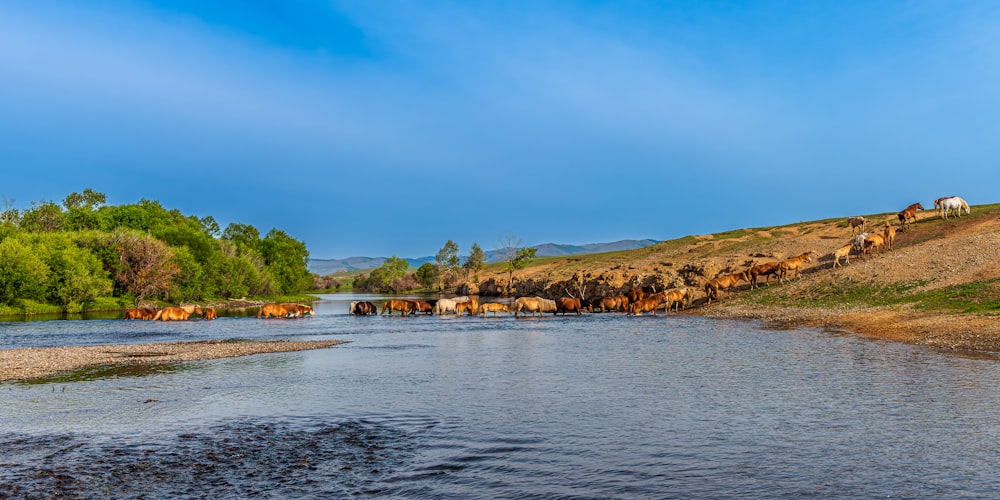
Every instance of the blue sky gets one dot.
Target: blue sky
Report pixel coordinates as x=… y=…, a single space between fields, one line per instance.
x=380 y=128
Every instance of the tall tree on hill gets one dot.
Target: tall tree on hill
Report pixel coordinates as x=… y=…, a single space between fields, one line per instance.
x=514 y=256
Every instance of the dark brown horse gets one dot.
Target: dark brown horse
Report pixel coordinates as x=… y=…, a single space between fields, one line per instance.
x=607 y=304
x=766 y=269
x=568 y=304
x=365 y=308
x=648 y=304
x=635 y=294
x=422 y=306
x=908 y=213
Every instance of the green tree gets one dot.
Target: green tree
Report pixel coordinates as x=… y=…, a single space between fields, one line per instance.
x=381 y=278
x=76 y=276
x=515 y=256
x=89 y=199
x=286 y=258
x=42 y=217
x=447 y=261
x=146 y=265
x=427 y=275
x=245 y=236
x=210 y=226
x=189 y=283
x=22 y=274
x=474 y=262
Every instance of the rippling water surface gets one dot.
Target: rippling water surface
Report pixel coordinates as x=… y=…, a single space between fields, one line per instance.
x=591 y=406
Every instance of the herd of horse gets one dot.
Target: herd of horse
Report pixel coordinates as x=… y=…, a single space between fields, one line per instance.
x=635 y=301
x=641 y=300
x=638 y=300
x=183 y=313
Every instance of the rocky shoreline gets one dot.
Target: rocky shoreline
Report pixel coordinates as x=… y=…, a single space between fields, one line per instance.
x=39 y=362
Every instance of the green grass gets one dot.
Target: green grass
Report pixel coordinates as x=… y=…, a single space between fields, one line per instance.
x=977 y=297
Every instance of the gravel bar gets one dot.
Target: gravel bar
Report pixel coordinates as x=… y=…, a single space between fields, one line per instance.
x=38 y=362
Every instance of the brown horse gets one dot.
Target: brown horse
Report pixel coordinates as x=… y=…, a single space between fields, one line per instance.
x=766 y=269
x=635 y=294
x=273 y=311
x=890 y=235
x=298 y=310
x=937 y=205
x=723 y=282
x=856 y=222
x=364 y=308
x=143 y=313
x=466 y=306
x=568 y=304
x=908 y=213
x=607 y=304
x=403 y=306
x=793 y=264
x=177 y=313
x=493 y=307
x=422 y=306
x=677 y=298
x=648 y=304
x=209 y=313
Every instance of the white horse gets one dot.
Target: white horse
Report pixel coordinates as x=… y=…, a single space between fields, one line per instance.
x=954 y=203
x=444 y=306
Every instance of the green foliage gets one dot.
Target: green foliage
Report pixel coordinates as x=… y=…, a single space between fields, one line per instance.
x=76 y=276
x=447 y=261
x=137 y=252
x=447 y=257
x=286 y=259
x=245 y=236
x=475 y=261
x=522 y=257
x=427 y=275
x=43 y=216
x=382 y=278
x=22 y=274
x=977 y=297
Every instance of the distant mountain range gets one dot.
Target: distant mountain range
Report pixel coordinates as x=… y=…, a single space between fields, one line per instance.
x=330 y=266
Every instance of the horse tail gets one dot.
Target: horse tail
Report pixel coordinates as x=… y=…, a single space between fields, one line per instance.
x=159 y=314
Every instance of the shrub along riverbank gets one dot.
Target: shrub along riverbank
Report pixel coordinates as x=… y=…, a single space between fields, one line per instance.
x=85 y=255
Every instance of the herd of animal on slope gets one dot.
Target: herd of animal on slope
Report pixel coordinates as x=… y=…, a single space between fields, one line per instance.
x=638 y=301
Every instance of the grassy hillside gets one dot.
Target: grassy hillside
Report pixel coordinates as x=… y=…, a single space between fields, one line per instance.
x=940 y=284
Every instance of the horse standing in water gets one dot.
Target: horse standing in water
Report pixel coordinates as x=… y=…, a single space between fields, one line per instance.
x=908 y=213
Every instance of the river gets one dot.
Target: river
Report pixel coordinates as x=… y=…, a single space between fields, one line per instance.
x=600 y=405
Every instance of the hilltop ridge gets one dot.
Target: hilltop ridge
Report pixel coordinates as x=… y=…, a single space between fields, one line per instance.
x=328 y=266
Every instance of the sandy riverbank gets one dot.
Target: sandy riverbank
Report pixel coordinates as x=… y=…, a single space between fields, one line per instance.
x=32 y=363
x=897 y=323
